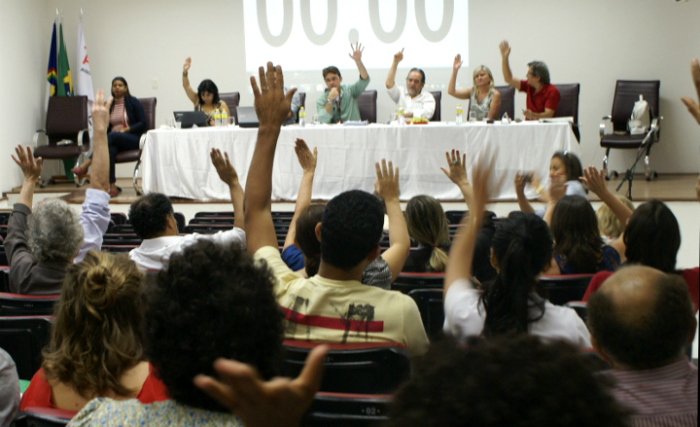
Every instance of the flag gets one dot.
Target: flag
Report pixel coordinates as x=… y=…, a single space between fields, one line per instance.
x=51 y=68
x=83 y=79
x=64 y=79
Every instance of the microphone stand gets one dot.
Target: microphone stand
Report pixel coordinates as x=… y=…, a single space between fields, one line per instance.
x=640 y=152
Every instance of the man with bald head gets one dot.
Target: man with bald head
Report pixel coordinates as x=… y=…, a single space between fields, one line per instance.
x=641 y=322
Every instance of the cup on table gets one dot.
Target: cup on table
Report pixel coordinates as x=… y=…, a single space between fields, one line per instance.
x=393 y=118
x=170 y=122
x=314 y=119
x=472 y=116
x=231 y=121
x=178 y=124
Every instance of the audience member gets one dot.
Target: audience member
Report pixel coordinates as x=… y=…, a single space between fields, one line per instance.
x=153 y=220
x=484 y=99
x=506 y=381
x=641 y=322
x=127 y=122
x=521 y=249
x=96 y=347
x=427 y=226
x=693 y=108
x=411 y=98
x=332 y=306
x=338 y=103
x=542 y=96
x=9 y=388
x=206 y=98
x=609 y=226
x=211 y=301
x=40 y=245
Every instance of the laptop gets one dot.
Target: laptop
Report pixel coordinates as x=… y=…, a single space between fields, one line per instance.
x=190 y=118
x=247 y=117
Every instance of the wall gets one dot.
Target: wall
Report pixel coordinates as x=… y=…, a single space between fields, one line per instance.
x=592 y=42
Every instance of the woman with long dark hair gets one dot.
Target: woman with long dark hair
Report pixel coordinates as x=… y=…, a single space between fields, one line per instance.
x=206 y=98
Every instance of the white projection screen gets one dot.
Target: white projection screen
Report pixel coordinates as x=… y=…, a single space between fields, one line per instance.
x=306 y=35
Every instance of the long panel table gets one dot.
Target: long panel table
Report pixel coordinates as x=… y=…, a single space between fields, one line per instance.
x=176 y=161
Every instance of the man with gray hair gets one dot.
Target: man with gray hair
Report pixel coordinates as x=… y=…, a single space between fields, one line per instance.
x=542 y=96
x=40 y=245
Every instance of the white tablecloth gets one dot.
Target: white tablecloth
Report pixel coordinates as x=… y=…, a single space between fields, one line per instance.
x=176 y=161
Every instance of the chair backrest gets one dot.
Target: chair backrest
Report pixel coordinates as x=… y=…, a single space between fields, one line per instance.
x=580 y=307
x=27 y=305
x=231 y=99
x=507 y=101
x=368 y=368
x=627 y=93
x=347 y=410
x=149 y=107
x=66 y=116
x=406 y=282
x=437 y=115
x=4 y=278
x=432 y=310
x=367 y=102
x=568 y=104
x=563 y=288
x=302 y=103
x=43 y=417
x=23 y=337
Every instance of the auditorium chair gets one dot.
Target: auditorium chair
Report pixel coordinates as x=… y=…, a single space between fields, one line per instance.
x=128 y=156
x=406 y=282
x=568 y=105
x=560 y=289
x=366 y=368
x=23 y=337
x=507 y=101
x=26 y=305
x=4 y=279
x=437 y=115
x=580 y=307
x=232 y=99
x=627 y=92
x=432 y=310
x=367 y=102
x=43 y=417
x=347 y=410
x=66 y=132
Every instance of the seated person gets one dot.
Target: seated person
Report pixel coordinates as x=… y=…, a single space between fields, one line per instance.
x=333 y=306
x=40 y=245
x=96 y=347
x=411 y=98
x=484 y=99
x=641 y=323
x=153 y=221
x=542 y=97
x=127 y=122
x=521 y=249
x=9 y=389
x=211 y=301
x=427 y=226
x=206 y=98
x=338 y=103
x=608 y=224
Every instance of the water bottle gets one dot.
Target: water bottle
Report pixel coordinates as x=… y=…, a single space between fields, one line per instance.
x=224 y=118
x=302 y=117
x=458 y=114
x=399 y=115
x=217 y=118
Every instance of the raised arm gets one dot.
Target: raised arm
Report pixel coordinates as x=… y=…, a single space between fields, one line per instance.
x=99 y=178
x=391 y=76
x=272 y=108
x=557 y=190
x=519 y=184
x=31 y=169
x=227 y=173
x=191 y=94
x=457 y=173
x=451 y=87
x=459 y=265
x=495 y=107
x=387 y=187
x=307 y=161
x=505 y=66
x=356 y=56
x=693 y=108
x=595 y=181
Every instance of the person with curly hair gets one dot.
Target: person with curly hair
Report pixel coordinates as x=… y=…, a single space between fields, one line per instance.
x=96 y=346
x=40 y=245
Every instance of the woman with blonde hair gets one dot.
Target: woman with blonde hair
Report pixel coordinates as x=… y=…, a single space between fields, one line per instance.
x=96 y=347
x=610 y=227
x=427 y=226
x=484 y=99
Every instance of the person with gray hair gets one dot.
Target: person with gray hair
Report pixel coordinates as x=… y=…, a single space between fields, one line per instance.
x=542 y=96
x=40 y=245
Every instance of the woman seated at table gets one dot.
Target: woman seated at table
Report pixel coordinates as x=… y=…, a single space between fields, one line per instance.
x=206 y=98
x=96 y=347
x=484 y=100
x=127 y=122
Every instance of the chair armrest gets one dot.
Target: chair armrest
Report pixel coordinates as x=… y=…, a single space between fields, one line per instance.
x=35 y=140
x=142 y=141
x=604 y=130
x=81 y=133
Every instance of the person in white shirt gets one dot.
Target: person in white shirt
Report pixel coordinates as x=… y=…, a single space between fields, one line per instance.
x=153 y=220
x=411 y=98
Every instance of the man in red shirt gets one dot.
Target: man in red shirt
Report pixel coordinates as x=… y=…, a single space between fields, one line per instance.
x=542 y=97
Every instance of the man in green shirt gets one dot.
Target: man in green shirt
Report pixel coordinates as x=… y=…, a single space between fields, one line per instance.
x=338 y=103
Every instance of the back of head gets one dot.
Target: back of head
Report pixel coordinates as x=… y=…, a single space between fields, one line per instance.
x=576 y=235
x=427 y=225
x=351 y=228
x=642 y=318
x=608 y=224
x=572 y=163
x=54 y=231
x=212 y=301
x=306 y=236
x=509 y=381
x=652 y=236
x=208 y=86
x=148 y=215
x=540 y=69
x=331 y=69
x=97 y=334
x=522 y=247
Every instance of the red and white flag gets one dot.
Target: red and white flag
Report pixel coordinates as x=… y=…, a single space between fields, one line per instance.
x=83 y=78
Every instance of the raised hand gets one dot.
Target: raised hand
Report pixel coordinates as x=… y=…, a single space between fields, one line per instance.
x=307 y=159
x=31 y=168
x=100 y=111
x=456 y=168
x=594 y=180
x=387 y=183
x=505 y=48
x=357 y=50
x=222 y=164
x=458 y=62
x=693 y=108
x=398 y=56
x=519 y=183
x=271 y=103
x=186 y=66
x=482 y=185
